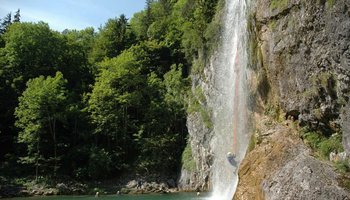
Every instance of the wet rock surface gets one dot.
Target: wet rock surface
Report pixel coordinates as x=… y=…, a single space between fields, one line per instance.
x=201 y=132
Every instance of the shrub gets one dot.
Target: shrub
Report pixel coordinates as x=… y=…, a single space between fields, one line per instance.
x=343 y=166
x=187 y=159
x=100 y=163
x=332 y=144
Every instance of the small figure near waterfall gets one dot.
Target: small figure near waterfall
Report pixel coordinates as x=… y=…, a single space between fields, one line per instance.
x=231 y=157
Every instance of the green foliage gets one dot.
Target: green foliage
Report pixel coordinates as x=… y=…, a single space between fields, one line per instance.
x=330 y=3
x=112 y=39
x=176 y=86
x=343 y=166
x=6 y=22
x=313 y=139
x=278 y=4
x=322 y=144
x=332 y=144
x=40 y=109
x=114 y=102
x=252 y=142
x=196 y=103
x=272 y=25
x=188 y=161
x=122 y=102
x=100 y=164
x=274 y=110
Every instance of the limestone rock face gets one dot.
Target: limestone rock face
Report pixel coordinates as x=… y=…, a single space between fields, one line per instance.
x=346 y=128
x=302 y=66
x=282 y=167
x=305 y=48
x=200 y=132
x=304 y=177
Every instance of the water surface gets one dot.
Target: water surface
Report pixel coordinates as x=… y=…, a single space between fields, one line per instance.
x=175 y=196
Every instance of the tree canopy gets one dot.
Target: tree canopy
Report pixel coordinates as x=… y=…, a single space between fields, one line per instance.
x=98 y=103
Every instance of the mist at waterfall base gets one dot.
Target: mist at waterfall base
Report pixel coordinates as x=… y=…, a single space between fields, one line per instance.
x=230 y=103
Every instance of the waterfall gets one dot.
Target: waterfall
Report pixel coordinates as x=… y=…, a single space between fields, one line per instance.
x=230 y=100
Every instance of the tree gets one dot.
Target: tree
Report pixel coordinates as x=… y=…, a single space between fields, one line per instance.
x=17 y=16
x=40 y=109
x=6 y=22
x=113 y=38
x=31 y=50
x=161 y=137
x=114 y=103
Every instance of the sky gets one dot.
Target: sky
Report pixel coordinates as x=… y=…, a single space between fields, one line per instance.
x=71 y=14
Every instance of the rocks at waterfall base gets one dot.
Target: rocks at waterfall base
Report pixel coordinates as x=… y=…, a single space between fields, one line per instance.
x=33 y=189
x=281 y=166
x=200 y=135
x=126 y=185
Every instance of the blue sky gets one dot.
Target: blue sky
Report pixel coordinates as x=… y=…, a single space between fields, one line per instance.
x=71 y=14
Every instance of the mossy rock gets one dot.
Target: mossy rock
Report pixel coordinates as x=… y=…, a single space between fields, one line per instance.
x=278 y=4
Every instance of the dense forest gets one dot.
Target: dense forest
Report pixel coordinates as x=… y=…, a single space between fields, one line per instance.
x=94 y=104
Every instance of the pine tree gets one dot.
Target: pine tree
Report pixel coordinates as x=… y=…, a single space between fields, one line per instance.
x=17 y=17
x=6 y=22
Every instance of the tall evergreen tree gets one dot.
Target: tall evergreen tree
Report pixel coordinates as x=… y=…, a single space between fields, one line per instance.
x=114 y=37
x=6 y=22
x=17 y=16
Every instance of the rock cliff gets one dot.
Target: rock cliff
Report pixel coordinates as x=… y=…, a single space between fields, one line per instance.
x=200 y=130
x=301 y=50
x=281 y=167
x=305 y=52
x=300 y=55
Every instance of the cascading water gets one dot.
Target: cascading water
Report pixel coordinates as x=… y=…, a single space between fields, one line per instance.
x=230 y=102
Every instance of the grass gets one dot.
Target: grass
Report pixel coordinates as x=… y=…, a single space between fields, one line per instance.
x=343 y=166
x=274 y=111
x=199 y=94
x=252 y=143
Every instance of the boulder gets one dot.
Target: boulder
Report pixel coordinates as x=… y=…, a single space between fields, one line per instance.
x=283 y=167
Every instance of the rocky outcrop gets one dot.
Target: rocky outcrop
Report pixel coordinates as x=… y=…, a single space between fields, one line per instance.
x=346 y=128
x=301 y=62
x=282 y=167
x=305 y=51
x=135 y=187
x=302 y=53
x=200 y=132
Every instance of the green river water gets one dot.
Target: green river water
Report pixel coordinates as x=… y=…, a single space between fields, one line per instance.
x=175 y=196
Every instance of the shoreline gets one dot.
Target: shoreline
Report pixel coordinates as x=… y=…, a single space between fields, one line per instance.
x=70 y=187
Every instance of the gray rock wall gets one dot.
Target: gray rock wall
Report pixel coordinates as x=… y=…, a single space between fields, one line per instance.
x=303 y=67
x=200 y=132
x=303 y=53
x=305 y=48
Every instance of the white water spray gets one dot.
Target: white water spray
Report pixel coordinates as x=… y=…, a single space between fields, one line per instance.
x=230 y=102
